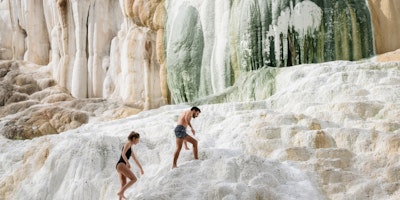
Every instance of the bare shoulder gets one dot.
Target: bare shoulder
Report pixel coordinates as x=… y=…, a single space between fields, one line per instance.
x=127 y=145
x=184 y=114
x=183 y=118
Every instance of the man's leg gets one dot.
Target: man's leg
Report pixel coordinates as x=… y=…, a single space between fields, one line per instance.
x=194 y=143
x=179 y=142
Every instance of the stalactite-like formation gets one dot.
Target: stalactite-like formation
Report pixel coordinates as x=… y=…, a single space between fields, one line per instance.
x=62 y=74
x=258 y=34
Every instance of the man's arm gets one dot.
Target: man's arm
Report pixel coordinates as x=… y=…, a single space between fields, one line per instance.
x=188 y=118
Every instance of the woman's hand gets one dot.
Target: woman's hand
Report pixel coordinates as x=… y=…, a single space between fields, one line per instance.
x=128 y=165
x=141 y=171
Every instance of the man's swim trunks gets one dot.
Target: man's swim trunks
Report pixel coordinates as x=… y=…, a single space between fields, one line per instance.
x=180 y=131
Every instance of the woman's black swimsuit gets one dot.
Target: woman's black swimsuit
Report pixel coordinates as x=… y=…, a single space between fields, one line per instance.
x=128 y=154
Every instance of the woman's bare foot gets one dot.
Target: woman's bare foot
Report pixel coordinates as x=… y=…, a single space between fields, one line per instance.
x=121 y=195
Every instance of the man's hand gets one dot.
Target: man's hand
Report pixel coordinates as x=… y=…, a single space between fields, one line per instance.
x=194 y=132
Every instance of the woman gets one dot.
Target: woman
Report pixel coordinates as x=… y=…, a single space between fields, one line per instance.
x=123 y=164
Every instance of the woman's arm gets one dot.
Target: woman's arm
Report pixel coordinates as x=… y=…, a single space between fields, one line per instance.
x=137 y=162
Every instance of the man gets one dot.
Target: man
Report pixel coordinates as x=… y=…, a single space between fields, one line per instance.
x=181 y=135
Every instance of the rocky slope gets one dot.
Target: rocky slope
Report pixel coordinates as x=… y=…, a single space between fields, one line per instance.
x=117 y=49
x=32 y=104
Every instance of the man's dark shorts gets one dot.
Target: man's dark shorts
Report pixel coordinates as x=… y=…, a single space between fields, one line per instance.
x=180 y=131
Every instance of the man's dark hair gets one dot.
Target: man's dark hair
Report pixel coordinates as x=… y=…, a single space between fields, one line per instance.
x=196 y=109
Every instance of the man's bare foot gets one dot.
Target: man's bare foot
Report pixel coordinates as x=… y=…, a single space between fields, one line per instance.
x=185 y=145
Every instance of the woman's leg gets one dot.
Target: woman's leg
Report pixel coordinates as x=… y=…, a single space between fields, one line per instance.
x=122 y=179
x=125 y=171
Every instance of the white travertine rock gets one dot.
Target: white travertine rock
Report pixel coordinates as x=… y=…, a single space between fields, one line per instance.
x=331 y=129
x=79 y=83
x=6 y=33
x=75 y=39
x=138 y=75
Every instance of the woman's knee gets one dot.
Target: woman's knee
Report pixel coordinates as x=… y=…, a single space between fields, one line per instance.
x=133 y=178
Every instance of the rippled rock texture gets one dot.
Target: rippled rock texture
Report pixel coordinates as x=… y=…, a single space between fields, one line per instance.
x=151 y=53
x=32 y=105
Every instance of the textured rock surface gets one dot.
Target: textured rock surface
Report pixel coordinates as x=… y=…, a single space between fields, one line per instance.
x=390 y=56
x=385 y=17
x=37 y=121
x=185 y=50
x=241 y=36
x=95 y=48
x=137 y=63
x=31 y=105
x=126 y=58
x=17 y=85
x=329 y=131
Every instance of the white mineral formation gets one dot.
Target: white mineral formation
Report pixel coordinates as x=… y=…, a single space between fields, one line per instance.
x=331 y=131
x=115 y=49
x=96 y=48
x=321 y=131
